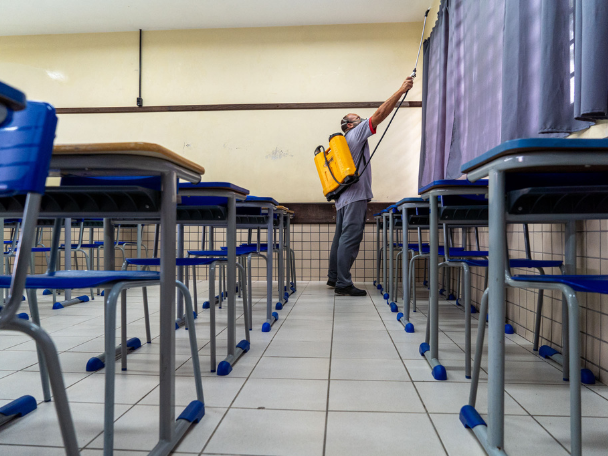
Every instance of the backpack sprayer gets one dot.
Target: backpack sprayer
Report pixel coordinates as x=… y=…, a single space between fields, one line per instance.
x=335 y=165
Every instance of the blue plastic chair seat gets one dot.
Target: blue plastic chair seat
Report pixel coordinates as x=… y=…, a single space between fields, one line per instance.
x=581 y=283
x=83 y=246
x=98 y=243
x=80 y=279
x=243 y=250
x=178 y=261
x=468 y=253
x=515 y=263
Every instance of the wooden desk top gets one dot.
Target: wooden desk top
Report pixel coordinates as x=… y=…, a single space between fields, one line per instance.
x=128 y=148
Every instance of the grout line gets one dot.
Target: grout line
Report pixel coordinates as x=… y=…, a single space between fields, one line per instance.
x=413 y=384
x=252 y=370
x=331 y=348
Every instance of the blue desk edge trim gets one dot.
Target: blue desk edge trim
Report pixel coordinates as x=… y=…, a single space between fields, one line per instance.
x=220 y=185
x=452 y=183
x=261 y=199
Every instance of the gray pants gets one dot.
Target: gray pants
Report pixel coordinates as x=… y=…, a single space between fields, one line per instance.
x=350 y=224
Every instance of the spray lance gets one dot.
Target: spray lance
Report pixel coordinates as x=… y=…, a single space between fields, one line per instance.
x=335 y=165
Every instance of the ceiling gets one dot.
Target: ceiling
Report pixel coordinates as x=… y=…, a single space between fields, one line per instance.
x=38 y=17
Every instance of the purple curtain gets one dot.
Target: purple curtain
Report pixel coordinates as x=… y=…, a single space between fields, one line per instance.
x=501 y=70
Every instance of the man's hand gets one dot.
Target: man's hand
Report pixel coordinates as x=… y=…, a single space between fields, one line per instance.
x=385 y=109
x=407 y=85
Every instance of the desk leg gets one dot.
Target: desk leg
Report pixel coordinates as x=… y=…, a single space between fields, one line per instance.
x=234 y=351
x=271 y=316
x=390 y=256
x=384 y=257
x=280 y=259
x=180 y=321
x=570 y=269
x=430 y=350
x=377 y=281
x=68 y=253
x=404 y=317
x=496 y=304
x=167 y=307
x=290 y=283
x=491 y=435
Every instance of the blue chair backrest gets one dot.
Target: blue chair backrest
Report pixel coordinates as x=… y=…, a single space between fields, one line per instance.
x=26 y=146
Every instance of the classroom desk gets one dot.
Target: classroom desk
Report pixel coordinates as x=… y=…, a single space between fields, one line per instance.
x=231 y=192
x=143 y=159
x=431 y=192
x=563 y=161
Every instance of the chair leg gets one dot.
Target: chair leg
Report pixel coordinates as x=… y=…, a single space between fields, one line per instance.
x=575 y=370
x=245 y=309
x=123 y=329
x=49 y=352
x=467 y=320
x=483 y=312
x=250 y=291
x=111 y=298
x=194 y=289
x=212 y=315
x=539 y=311
x=192 y=338
x=32 y=300
x=87 y=259
x=147 y=315
x=220 y=283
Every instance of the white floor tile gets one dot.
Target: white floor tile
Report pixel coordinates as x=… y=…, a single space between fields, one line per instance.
x=41 y=427
x=450 y=397
x=368 y=369
x=555 y=400
x=457 y=440
x=138 y=429
x=538 y=441
x=373 y=396
x=287 y=394
x=218 y=391
x=594 y=433
x=360 y=433
x=299 y=349
x=299 y=368
x=269 y=432
x=24 y=382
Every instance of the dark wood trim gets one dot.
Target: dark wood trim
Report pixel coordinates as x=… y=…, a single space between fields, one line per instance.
x=232 y=107
x=318 y=213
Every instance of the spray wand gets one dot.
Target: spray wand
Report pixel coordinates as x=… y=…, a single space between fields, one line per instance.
x=413 y=75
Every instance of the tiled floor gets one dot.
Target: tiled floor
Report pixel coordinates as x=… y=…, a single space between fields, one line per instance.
x=335 y=376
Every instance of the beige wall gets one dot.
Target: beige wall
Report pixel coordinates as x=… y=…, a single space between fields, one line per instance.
x=263 y=65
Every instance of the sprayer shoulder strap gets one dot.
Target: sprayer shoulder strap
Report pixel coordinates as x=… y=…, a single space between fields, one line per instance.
x=361 y=157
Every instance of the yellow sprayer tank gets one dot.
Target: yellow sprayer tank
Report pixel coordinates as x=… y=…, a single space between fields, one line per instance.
x=341 y=165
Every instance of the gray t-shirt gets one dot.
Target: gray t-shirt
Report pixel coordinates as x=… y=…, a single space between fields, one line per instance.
x=356 y=139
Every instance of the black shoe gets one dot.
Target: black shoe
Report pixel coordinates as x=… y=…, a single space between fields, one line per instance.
x=350 y=291
x=331 y=283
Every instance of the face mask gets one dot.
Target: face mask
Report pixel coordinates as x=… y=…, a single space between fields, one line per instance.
x=357 y=122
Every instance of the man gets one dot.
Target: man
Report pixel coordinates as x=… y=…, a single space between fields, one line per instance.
x=351 y=205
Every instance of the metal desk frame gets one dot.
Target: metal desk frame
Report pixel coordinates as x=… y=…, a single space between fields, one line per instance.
x=492 y=435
